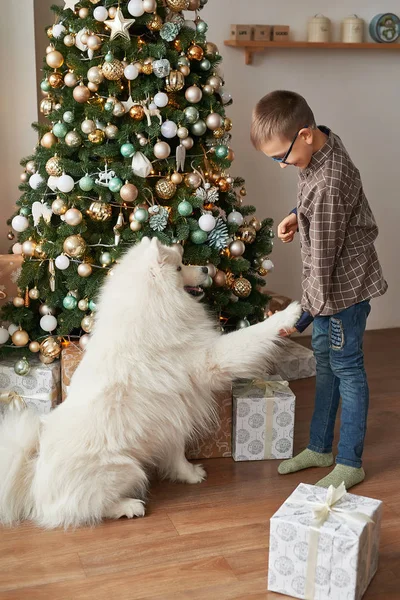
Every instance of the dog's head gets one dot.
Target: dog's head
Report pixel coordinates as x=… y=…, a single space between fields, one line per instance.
x=166 y=265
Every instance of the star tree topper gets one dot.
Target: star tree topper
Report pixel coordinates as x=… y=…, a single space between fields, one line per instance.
x=119 y=25
x=70 y=4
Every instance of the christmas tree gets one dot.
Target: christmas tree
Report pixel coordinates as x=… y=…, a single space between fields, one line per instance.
x=137 y=143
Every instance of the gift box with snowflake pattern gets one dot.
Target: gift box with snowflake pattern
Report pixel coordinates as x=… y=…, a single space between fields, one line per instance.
x=40 y=389
x=329 y=558
x=10 y=269
x=263 y=420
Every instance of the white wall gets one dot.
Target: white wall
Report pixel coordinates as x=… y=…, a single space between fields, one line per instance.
x=356 y=93
x=18 y=106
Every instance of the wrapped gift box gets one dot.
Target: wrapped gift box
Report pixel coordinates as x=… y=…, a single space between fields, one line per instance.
x=40 y=389
x=10 y=269
x=263 y=420
x=216 y=445
x=219 y=443
x=295 y=362
x=324 y=544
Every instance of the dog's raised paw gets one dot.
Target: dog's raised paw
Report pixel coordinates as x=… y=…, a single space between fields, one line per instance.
x=128 y=507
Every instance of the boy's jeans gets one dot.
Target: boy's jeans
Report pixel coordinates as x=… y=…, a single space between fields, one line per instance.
x=338 y=347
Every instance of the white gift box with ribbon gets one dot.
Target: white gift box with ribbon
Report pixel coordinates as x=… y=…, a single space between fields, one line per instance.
x=263 y=420
x=324 y=544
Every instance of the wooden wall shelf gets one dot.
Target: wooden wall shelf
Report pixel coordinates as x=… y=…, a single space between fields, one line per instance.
x=251 y=47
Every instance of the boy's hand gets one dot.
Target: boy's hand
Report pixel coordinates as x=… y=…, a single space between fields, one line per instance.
x=287 y=228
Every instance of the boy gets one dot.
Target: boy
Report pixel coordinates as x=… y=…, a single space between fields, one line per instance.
x=341 y=273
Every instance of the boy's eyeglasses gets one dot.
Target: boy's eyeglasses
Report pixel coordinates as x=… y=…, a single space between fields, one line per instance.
x=284 y=158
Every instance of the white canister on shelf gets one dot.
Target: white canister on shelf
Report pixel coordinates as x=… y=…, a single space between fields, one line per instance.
x=319 y=29
x=353 y=30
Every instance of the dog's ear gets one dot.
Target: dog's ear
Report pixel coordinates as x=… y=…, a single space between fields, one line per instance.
x=178 y=248
x=145 y=241
x=159 y=257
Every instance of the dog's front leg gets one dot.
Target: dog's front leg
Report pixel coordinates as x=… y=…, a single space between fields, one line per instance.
x=246 y=353
x=176 y=467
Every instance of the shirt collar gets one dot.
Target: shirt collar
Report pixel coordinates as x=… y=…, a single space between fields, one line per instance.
x=318 y=159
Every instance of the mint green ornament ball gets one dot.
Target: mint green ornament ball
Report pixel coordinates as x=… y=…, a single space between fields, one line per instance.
x=70 y=302
x=86 y=183
x=198 y=236
x=185 y=208
x=115 y=185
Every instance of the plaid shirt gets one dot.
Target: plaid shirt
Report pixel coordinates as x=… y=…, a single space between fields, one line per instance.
x=337 y=233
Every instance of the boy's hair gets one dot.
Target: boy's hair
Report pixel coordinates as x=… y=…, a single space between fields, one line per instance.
x=280 y=114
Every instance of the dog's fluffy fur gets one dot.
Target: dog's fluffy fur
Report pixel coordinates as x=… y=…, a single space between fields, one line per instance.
x=144 y=387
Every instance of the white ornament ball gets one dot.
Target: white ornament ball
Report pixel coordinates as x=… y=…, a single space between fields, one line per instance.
x=4 y=335
x=169 y=129
x=193 y=94
x=207 y=222
x=48 y=323
x=135 y=8
x=267 y=264
x=20 y=223
x=65 y=184
x=73 y=217
x=83 y=341
x=88 y=126
x=58 y=30
x=131 y=72
x=162 y=150
x=149 y=5
x=35 y=181
x=100 y=14
x=62 y=262
x=236 y=218
x=214 y=121
x=12 y=329
x=161 y=100
x=17 y=248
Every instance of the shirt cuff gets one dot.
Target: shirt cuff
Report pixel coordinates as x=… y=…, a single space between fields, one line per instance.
x=293 y=212
x=305 y=321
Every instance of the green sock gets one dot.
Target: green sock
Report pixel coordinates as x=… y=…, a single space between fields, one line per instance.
x=350 y=475
x=305 y=460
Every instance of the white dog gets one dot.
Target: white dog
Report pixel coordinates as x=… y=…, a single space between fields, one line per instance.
x=144 y=387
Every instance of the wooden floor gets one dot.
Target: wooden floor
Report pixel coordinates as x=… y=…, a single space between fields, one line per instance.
x=211 y=541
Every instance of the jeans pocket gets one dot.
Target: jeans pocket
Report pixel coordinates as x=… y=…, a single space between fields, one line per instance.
x=336 y=334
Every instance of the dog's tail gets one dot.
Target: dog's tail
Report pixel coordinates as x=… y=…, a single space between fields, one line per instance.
x=19 y=441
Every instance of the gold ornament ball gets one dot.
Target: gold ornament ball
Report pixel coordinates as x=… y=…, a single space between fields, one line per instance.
x=24 y=177
x=165 y=189
x=254 y=222
x=175 y=81
x=135 y=225
x=70 y=80
x=185 y=70
x=48 y=140
x=56 y=80
x=147 y=68
x=194 y=5
x=83 y=304
x=231 y=155
x=247 y=234
x=242 y=288
x=262 y=272
x=113 y=70
x=95 y=75
x=74 y=246
x=39 y=252
x=211 y=48
x=85 y=270
x=98 y=211
x=81 y=93
x=112 y=11
x=195 y=52
x=46 y=106
x=119 y=109
x=46 y=360
x=83 y=13
x=59 y=206
x=243 y=192
x=176 y=178
x=87 y=323
x=73 y=217
x=10 y=235
x=111 y=131
x=219 y=133
x=137 y=112
x=223 y=185
x=18 y=302
x=55 y=59
x=69 y=40
x=155 y=24
x=49 y=32
x=53 y=166
x=50 y=348
x=28 y=248
x=192 y=181
x=178 y=5
x=219 y=279
x=94 y=42
x=228 y=124
x=73 y=139
x=20 y=338
x=97 y=137
x=93 y=87
x=129 y=192
x=30 y=167
x=34 y=347
x=34 y=294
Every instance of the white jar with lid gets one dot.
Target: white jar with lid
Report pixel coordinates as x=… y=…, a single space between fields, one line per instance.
x=319 y=29
x=353 y=30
